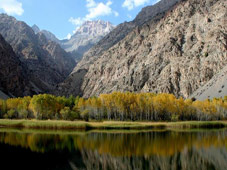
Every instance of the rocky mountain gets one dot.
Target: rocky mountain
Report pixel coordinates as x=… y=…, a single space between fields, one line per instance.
x=35 y=29
x=49 y=36
x=119 y=33
x=86 y=37
x=47 y=63
x=13 y=79
x=176 y=51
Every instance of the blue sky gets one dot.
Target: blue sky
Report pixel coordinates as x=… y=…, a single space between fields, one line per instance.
x=62 y=17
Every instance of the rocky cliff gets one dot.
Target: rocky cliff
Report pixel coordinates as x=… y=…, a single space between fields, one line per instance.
x=86 y=37
x=47 y=63
x=177 y=51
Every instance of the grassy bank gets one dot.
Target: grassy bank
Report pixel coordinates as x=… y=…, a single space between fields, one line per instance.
x=54 y=124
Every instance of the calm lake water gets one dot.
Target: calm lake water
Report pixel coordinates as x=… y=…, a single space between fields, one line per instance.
x=120 y=150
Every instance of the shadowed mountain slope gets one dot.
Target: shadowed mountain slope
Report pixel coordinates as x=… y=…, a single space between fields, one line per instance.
x=48 y=64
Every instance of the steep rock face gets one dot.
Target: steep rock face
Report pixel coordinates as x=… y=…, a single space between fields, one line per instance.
x=154 y=13
x=86 y=37
x=40 y=56
x=12 y=75
x=119 y=33
x=176 y=54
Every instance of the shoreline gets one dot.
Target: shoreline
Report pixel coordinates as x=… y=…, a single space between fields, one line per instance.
x=108 y=125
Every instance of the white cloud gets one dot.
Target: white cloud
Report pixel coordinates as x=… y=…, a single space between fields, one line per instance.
x=76 y=21
x=90 y=3
x=131 y=4
x=95 y=10
x=11 y=7
x=99 y=9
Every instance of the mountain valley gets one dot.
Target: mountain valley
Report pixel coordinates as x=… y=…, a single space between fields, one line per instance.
x=174 y=46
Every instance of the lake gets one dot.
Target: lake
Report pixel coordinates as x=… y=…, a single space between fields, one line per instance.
x=113 y=149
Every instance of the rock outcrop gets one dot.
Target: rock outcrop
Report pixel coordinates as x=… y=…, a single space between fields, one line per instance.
x=48 y=64
x=177 y=51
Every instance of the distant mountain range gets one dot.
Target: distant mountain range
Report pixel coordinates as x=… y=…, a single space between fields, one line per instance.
x=85 y=37
x=174 y=46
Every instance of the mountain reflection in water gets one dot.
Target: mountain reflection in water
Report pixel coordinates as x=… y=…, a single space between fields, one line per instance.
x=164 y=150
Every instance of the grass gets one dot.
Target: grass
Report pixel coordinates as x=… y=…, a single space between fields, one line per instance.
x=82 y=125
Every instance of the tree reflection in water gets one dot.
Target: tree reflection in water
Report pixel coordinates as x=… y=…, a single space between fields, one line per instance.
x=120 y=150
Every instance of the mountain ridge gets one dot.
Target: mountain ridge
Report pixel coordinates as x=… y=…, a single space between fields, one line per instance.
x=84 y=38
x=123 y=29
x=170 y=53
x=49 y=36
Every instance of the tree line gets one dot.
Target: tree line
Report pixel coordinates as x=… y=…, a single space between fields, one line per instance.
x=115 y=106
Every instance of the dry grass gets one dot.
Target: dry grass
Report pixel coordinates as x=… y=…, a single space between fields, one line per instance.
x=55 y=124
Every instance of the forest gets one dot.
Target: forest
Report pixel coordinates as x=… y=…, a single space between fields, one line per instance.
x=116 y=106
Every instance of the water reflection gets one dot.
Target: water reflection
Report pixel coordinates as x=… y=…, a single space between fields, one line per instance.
x=116 y=150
